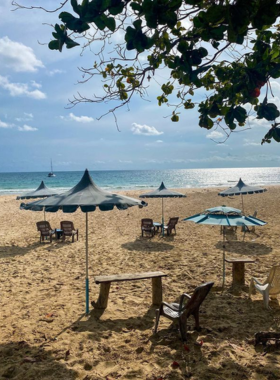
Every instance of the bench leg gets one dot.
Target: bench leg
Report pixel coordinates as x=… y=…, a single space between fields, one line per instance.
x=102 y=301
x=157 y=290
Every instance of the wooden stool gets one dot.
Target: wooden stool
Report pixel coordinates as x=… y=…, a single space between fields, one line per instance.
x=238 y=270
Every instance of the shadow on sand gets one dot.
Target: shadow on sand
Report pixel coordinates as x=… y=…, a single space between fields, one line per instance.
x=23 y=361
x=245 y=248
x=141 y=244
x=9 y=251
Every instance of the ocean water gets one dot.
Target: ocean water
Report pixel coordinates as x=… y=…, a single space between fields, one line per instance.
x=115 y=180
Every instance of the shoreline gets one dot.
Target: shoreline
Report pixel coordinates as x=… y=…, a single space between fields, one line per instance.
x=138 y=191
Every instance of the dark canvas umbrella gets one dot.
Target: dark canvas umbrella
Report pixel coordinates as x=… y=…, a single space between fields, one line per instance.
x=41 y=192
x=88 y=197
x=241 y=189
x=162 y=192
x=225 y=216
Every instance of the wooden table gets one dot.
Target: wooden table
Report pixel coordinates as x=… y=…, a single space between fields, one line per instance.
x=58 y=233
x=157 y=226
x=105 y=283
x=238 y=269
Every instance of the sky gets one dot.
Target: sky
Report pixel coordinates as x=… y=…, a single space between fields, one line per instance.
x=37 y=125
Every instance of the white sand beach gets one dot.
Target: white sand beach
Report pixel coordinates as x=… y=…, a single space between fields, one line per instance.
x=45 y=333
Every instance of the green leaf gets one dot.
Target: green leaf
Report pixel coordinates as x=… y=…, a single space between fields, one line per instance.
x=175 y=118
x=99 y=22
x=202 y=52
x=117 y=9
x=66 y=17
x=70 y=43
x=59 y=30
x=240 y=114
x=215 y=44
x=276 y=134
x=54 y=45
x=75 y=6
x=111 y=23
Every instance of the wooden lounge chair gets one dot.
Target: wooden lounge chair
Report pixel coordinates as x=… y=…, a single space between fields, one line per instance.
x=147 y=226
x=45 y=230
x=171 y=225
x=68 y=230
x=181 y=311
x=269 y=288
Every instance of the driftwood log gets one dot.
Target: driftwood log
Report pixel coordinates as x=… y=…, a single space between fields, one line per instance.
x=264 y=336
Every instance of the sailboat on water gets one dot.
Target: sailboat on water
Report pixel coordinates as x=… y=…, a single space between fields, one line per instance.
x=51 y=173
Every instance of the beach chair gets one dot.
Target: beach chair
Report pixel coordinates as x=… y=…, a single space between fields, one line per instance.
x=171 y=225
x=253 y=229
x=45 y=230
x=68 y=230
x=269 y=288
x=147 y=226
x=188 y=305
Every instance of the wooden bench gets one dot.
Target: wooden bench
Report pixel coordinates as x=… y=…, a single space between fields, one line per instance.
x=105 y=283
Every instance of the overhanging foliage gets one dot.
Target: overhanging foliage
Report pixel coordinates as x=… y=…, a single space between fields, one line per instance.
x=230 y=48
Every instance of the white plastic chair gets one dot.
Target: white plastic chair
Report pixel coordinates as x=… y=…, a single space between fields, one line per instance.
x=269 y=288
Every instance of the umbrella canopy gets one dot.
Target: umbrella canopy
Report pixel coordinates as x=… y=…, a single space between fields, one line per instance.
x=162 y=192
x=225 y=220
x=88 y=197
x=41 y=192
x=225 y=216
x=223 y=210
x=241 y=189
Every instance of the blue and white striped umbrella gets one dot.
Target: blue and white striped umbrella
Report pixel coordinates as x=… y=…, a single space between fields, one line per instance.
x=224 y=216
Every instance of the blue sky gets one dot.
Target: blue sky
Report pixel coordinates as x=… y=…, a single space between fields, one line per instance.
x=35 y=124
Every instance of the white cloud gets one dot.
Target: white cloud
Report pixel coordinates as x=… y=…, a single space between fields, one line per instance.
x=81 y=119
x=27 y=128
x=159 y=141
x=125 y=162
x=275 y=85
x=248 y=142
x=18 y=89
x=17 y=56
x=26 y=117
x=138 y=129
x=254 y=122
x=214 y=135
x=55 y=71
x=35 y=84
x=5 y=125
x=29 y=115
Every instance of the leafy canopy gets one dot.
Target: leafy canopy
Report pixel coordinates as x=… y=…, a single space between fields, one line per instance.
x=231 y=48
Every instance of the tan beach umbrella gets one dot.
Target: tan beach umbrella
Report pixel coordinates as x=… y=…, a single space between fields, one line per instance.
x=88 y=197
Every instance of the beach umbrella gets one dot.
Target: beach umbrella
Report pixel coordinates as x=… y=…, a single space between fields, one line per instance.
x=226 y=217
x=241 y=189
x=41 y=192
x=88 y=197
x=162 y=192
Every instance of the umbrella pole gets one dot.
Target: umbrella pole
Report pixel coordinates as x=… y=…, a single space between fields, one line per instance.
x=224 y=266
x=44 y=214
x=162 y=221
x=87 y=283
x=242 y=203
